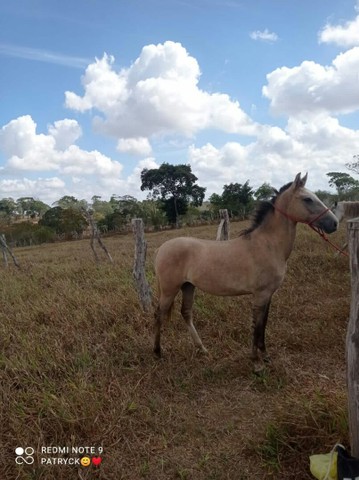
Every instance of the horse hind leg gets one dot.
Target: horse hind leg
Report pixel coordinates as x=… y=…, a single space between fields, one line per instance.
x=163 y=312
x=186 y=311
x=260 y=317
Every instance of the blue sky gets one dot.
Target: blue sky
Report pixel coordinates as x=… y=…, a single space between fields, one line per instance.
x=92 y=92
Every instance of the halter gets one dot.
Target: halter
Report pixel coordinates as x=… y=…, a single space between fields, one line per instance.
x=317 y=230
x=302 y=221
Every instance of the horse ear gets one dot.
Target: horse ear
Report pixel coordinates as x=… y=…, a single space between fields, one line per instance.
x=300 y=182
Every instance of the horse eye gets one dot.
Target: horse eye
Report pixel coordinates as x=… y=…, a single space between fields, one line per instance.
x=308 y=200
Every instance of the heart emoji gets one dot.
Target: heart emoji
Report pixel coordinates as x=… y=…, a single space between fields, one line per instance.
x=96 y=460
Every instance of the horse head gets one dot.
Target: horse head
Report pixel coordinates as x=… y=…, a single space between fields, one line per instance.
x=302 y=205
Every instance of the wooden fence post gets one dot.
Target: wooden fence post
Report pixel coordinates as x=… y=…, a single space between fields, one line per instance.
x=5 y=249
x=95 y=234
x=352 y=340
x=139 y=274
x=223 y=228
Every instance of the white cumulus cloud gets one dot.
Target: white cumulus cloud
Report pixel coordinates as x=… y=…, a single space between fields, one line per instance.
x=47 y=189
x=18 y=139
x=157 y=95
x=65 y=132
x=313 y=88
x=134 y=146
x=317 y=145
x=27 y=150
x=345 y=35
x=78 y=172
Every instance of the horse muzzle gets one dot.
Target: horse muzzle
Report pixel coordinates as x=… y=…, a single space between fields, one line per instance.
x=328 y=223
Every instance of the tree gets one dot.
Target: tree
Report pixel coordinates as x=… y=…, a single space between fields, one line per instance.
x=126 y=205
x=72 y=222
x=175 y=186
x=152 y=214
x=264 y=192
x=8 y=209
x=343 y=182
x=236 y=198
x=121 y=209
x=52 y=218
x=68 y=201
x=30 y=207
x=239 y=198
x=25 y=233
x=101 y=208
x=215 y=202
x=66 y=221
x=173 y=208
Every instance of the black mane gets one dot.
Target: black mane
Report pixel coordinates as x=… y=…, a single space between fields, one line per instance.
x=263 y=210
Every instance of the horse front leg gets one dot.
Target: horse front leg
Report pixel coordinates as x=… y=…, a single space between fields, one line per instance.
x=260 y=317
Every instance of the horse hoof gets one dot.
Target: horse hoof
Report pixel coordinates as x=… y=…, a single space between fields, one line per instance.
x=201 y=350
x=157 y=352
x=267 y=359
x=258 y=368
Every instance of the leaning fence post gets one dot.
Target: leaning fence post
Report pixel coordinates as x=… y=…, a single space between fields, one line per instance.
x=139 y=275
x=352 y=340
x=95 y=234
x=223 y=228
x=5 y=249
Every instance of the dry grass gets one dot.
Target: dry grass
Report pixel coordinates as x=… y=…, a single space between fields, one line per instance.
x=76 y=368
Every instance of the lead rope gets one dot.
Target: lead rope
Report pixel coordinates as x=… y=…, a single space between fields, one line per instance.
x=317 y=230
x=322 y=234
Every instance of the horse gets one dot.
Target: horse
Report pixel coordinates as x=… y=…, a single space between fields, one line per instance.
x=253 y=263
x=344 y=210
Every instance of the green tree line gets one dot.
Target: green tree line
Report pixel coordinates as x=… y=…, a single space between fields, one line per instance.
x=174 y=198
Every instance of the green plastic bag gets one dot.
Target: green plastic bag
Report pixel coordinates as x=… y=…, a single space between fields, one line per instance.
x=324 y=466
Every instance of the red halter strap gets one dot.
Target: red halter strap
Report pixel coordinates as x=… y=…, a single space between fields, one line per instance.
x=300 y=221
x=317 y=230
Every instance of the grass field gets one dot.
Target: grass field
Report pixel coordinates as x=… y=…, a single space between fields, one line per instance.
x=76 y=369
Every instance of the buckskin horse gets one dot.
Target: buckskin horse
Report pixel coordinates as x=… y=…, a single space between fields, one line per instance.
x=253 y=263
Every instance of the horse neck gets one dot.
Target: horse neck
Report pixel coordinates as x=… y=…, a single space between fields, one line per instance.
x=280 y=232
